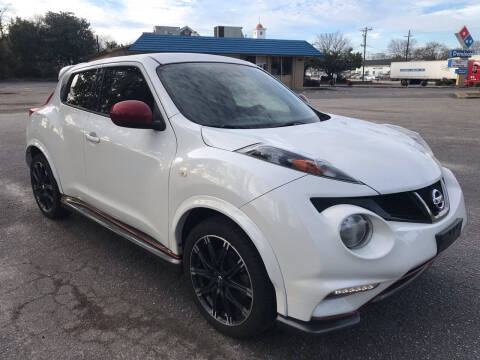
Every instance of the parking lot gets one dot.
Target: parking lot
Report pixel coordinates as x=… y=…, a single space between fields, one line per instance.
x=71 y=289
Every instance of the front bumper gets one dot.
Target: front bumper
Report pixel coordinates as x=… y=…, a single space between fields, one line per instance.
x=338 y=322
x=314 y=262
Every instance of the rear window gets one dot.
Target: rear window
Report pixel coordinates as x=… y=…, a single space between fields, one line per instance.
x=124 y=83
x=82 y=90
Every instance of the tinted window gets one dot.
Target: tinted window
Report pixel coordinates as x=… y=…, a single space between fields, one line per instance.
x=232 y=96
x=281 y=65
x=82 y=91
x=124 y=83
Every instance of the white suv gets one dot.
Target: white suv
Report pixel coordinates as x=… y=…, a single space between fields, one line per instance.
x=275 y=210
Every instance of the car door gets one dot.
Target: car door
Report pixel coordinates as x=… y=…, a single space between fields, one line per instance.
x=127 y=169
x=78 y=98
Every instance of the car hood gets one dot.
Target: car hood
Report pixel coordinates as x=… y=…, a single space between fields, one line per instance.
x=377 y=155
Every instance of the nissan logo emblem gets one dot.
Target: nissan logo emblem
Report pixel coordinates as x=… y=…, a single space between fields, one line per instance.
x=437 y=199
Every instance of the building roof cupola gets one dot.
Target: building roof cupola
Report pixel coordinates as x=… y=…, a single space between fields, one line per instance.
x=259 y=32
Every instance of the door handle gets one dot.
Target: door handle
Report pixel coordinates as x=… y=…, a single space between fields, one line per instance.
x=92 y=137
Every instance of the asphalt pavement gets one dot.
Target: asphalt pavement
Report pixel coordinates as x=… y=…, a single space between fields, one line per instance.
x=71 y=289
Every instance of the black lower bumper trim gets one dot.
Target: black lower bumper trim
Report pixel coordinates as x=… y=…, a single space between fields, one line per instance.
x=400 y=284
x=321 y=326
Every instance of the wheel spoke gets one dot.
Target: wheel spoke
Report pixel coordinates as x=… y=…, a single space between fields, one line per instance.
x=226 y=307
x=243 y=289
x=49 y=187
x=215 y=303
x=35 y=177
x=206 y=289
x=37 y=171
x=202 y=272
x=223 y=253
x=235 y=303
x=49 y=197
x=234 y=271
x=204 y=261
x=211 y=252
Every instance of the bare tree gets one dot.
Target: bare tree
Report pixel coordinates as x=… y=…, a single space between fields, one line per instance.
x=332 y=43
x=398 y=48
x=431 y=51
x=3 y=12
x=106 y=42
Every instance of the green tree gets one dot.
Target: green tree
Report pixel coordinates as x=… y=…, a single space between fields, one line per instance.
x=67 y=39
x=5 y=53
x=338 y=55
x=40 y=47
x=26 y=45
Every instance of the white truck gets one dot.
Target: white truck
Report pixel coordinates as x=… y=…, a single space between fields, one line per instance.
x=416 y=72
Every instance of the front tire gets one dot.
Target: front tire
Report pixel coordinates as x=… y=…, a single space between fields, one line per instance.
x=45 y=188
x=227 y=278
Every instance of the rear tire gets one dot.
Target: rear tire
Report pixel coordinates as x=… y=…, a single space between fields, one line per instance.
x=227 y=279
x=45 y=188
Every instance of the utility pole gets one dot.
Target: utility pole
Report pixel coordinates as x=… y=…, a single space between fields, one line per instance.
x=364 y=31
x=408 y=44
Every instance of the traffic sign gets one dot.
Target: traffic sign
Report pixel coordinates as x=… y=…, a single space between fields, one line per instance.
x=461 y=71
x=464 y=37
x=457 y=63
x=460 y=53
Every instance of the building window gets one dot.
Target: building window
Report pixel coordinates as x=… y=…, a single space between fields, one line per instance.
x=281 y=65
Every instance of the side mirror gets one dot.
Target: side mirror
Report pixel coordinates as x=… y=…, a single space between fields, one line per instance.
x=132 y=114
x=304 y=98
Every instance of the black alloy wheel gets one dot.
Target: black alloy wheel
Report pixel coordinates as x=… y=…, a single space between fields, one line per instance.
x=42 y=187
x=45 y=188
x=227 y=277
x=221 y=280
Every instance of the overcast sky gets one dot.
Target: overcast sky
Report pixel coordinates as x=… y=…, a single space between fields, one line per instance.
x=125 y=20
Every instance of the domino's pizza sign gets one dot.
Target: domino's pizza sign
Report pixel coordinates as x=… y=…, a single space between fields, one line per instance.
x=464 y=37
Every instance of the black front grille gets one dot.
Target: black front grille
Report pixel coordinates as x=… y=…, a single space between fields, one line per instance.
x=427 y=197
x=403 y=206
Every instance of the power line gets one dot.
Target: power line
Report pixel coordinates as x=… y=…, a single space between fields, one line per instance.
x=408 y=44
x=364 y=31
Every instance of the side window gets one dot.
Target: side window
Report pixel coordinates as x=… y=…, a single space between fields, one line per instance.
x=82 y=90
x=123 y=83
x=474 y=68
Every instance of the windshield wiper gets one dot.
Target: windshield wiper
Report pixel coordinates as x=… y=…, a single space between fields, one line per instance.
x=292 y=123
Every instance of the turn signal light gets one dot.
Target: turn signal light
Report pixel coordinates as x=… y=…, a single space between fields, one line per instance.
x=351 y=290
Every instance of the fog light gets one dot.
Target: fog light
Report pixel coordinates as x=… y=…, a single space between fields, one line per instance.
x=351 y=290
x=356 y=231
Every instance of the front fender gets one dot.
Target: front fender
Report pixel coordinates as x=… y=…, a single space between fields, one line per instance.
x=241 y=219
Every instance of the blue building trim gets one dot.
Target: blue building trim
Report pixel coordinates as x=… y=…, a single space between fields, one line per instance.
x=149 y=42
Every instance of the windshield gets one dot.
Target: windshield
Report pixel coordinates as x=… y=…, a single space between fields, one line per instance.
x=232 y=96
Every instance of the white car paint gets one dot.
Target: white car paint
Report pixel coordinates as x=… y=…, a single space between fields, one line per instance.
x=151 y=180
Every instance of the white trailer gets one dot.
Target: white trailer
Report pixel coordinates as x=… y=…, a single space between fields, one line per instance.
x=418 y=71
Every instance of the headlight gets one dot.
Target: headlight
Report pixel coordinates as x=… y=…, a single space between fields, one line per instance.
x=356 y=231
x=295 y=161
x=414 y=136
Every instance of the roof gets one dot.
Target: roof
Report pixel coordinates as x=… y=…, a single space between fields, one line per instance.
x=162 y=58
x=149 y=42
x=259 y=26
